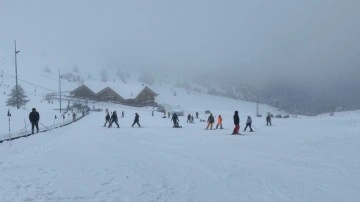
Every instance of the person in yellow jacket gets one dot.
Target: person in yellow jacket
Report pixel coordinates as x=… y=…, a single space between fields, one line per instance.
x=219 y=122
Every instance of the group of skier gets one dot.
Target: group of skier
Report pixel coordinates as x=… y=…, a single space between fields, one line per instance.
x=237 y=123
x=110 y=119
x=113 y=118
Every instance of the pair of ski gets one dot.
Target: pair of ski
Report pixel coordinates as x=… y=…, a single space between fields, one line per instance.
x=241 y=133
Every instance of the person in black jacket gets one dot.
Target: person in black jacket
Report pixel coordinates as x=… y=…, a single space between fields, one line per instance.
x=175 y=119
x=210 y=121
x=136 y=120
x=34 y=118
x=114 y=118
x=268 y=120
x=107 y=119
x=236 y=123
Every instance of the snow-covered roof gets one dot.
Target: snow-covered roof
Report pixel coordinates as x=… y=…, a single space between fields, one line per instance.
x=125 y=90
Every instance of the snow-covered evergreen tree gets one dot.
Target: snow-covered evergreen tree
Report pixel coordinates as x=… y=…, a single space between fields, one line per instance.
x=13 y=101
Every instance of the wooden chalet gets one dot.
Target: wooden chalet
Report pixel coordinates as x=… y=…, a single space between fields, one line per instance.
x=145 y=97
x=108 y=94
x=130 y=95
x=83 y=92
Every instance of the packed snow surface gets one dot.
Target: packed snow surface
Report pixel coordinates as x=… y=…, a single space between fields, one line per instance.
x=297 y=159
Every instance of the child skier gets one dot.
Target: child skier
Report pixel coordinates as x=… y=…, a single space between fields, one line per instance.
x=219 y=122
x=248 y=124
x=107 y=119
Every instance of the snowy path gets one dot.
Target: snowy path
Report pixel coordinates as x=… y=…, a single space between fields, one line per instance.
x=87 y=162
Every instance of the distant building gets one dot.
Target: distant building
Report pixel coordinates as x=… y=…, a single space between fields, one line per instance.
x=108 y=94
x=146 y=97
x=83 y=92
x=128 y=95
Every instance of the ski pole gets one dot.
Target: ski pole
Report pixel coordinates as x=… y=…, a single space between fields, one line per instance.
x=44 y=126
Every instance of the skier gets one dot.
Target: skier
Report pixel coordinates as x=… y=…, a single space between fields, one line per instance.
x=175 y=119
x=236 y=123
x=136 y=120
x=188 y=119
x=122 y=114
x=114 y=118
x=210 y=121
x=107 y=119
x=219 y=122
x=197 y=115
x=34 y=118
x=248 y=123
x=192 y=119
x=268 y=120
x=74 y=116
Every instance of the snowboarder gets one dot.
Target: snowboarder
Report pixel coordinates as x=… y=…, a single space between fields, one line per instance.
x=210 y=121
x=268 y=120
x=248 y=124
x=175 y=120
x=136 y=120
x=219 y=122
x=107 y=119
x=236 y=123
x=114 y=118
x=34 y=118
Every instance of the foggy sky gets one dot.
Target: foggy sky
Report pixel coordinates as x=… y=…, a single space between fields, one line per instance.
x=310 y=42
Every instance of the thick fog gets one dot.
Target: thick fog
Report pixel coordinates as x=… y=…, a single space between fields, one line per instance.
x=311 y=48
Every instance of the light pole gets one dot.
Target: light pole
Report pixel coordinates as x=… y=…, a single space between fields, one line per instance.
x=17 y=89
x=60 y=89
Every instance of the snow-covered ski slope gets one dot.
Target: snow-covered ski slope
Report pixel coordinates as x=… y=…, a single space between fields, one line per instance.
x=297 y=159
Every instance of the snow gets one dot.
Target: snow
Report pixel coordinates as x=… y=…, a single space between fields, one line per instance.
x=298 y=159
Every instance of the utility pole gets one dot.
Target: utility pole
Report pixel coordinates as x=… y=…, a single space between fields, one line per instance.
x=60 y=89
x=16 y=75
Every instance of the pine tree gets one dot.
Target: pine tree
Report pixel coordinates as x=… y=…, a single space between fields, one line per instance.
x=12 y=101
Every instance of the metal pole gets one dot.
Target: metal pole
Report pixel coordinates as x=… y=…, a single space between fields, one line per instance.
x=9 y=127
x=60 y=89
x=17 y=90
